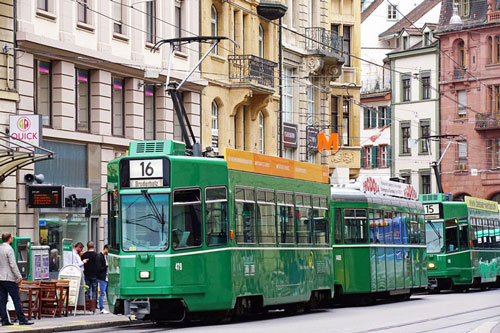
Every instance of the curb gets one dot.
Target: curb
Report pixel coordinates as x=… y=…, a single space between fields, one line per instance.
x=70 y=327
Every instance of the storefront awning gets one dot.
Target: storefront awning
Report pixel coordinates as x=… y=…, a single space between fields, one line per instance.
x=16 y=154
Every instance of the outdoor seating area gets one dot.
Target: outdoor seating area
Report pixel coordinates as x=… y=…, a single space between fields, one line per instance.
x=44 y=298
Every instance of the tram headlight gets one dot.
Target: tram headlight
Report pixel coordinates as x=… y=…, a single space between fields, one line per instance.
x=144 y=274
x=431 y=265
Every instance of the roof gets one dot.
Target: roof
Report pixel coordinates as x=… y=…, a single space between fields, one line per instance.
x=412 y=31
x=370 y=9
x=413 y=16
x=478 y=15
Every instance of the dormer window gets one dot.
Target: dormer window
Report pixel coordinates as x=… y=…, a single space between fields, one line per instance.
x=427 y=38
x=406 y=42
x=463 y=7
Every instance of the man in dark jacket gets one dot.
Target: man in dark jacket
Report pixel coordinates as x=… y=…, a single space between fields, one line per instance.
x=90 y=269
x=102 y=276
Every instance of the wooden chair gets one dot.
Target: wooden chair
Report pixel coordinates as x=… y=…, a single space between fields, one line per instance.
x=63 y=291
x=49 y=300
x=30 y=298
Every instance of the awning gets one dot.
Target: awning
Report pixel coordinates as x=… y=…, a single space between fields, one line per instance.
x=16 y=154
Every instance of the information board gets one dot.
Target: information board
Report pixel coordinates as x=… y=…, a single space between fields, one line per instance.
x=73 y=274
x=43 y=196
x=67 y=247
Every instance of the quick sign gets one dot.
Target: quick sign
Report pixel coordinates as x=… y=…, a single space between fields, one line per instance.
x=387 y=187
x=25 y=128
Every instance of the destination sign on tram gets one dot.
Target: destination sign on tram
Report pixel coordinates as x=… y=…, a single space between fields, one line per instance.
x=146 y=173
x=432 y=211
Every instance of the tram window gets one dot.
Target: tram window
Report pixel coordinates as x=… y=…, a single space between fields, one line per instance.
x=186 y=219
x=316 y=202
x=216 y=215
x=421 y=223
x=376 y=227
x=355 y=226
x=434 y=237
x=321 y=235
x=414 y=233
x=473 y=236
x=396 y=223
x=388 y=227
x=303 y=214
x=286 y=222
x=479 y=232
x=405 y=225
x=451 y=235
x=463 y=236
x=113 y=220
x=496 y=233
x=266 y=217
x=245 y=217
x=338 y=225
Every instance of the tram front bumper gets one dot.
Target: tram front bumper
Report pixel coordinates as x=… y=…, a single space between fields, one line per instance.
x=139 y=309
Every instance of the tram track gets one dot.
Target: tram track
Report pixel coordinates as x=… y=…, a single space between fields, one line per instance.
x=428 y=320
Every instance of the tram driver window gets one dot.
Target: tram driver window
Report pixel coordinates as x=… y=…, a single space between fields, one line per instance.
x=244 y=208
x=451 y=235
x=216 y=215
x=113 y=220
x=355 y=231
x=186 y=218
x=463 y=236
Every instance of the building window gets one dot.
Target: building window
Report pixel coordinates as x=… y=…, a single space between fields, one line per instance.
x=462 y=103
x=367 y=157
x=261 y=133
x=425 y=128
x=406 y=42
x=463 y=7
x=406 y=88
x=461 y=54
x=82 y=100
x=346 y=115
x=214 y=23
x=370 y=117
x=462 y=150
x=406 y=175
x=347 y=46
x=405 y=138
x=288 y=93
x=117 y=17
x=425 y=183
x=310 y=105
x=82 y=11
x=427 y=38
x=149 y=113
x=392 y=13
x=384 y=116
x=177 y=126
x=178 y=22
x=497 y=49
x=383 y=151
x=151 y=21
x=261 y=41
x=334 y=124
x=118 y=108
x=289 y=153
x=215 y=125
x=43 y=96
x=496 y=99
x=311 y=157
x=426 y=86
x=43 y=5
x=494 y=145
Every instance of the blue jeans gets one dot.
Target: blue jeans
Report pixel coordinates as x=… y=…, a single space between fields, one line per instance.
x=10 y=288
x=92 y=283
x=103 y=288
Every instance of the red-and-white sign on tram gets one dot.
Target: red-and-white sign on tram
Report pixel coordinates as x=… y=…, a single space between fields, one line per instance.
x=381 y=186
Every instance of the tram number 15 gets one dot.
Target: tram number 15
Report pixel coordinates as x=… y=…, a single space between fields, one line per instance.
x=431 y=209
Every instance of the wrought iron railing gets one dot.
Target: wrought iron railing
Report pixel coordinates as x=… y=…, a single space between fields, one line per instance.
x=485 y=121
x=251 y=69
x=325 y=40
x=458 y=73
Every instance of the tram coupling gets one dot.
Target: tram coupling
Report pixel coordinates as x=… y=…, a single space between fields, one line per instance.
x=137 y=308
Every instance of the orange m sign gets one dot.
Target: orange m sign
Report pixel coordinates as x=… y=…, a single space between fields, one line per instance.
x=331 y=144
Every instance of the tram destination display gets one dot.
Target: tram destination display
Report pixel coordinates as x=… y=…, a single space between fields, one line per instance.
x=43 y=196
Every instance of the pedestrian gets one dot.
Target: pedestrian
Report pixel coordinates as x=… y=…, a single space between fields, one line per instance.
x=102 y=276
x=90 y=269
x=76 y=260
x=54 y=261
x=9 y=277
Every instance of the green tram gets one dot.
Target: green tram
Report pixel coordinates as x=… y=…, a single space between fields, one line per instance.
x=463 y=242
x=379 y=247
x=189 y=235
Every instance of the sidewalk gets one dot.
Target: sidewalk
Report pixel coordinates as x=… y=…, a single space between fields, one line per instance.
x=70 y=323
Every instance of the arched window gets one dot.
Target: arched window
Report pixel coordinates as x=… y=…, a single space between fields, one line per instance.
x=261 y=132
x=461 y=54
x=215 y=125
x=491 y=51
x=261 y=41
x=214 y=19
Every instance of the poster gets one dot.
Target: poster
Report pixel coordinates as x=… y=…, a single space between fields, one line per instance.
x=45 y=266
x=38 y=267
x=67 y=247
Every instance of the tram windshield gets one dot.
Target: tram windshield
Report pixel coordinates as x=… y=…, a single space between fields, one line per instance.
x=145 y=221
x=434 y=237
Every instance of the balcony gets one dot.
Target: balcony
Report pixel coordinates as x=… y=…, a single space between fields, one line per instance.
x=252 y=71
x=487 y=121
x=325 y=51
x=459 y=73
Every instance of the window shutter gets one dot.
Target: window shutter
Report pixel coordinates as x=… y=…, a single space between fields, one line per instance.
x=389 y=156
x=375 y=157
x=374 y=117
x=367 y=118
x=388 y=115
x=363 y=156
x=381 y=119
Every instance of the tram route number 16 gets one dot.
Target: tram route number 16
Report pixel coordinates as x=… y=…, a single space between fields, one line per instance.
x=146 y=168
